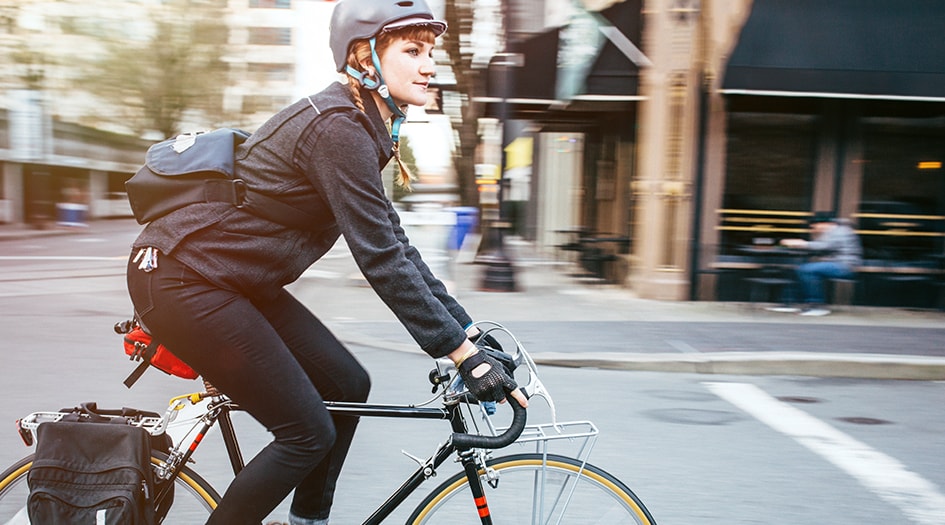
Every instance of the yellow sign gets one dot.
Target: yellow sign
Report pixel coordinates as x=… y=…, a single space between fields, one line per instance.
x=518 y=154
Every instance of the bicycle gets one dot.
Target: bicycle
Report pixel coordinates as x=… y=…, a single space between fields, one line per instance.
x=537 y=487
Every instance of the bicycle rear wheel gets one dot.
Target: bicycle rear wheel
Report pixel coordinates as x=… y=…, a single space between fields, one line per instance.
x=194 y=498
x=535 y=489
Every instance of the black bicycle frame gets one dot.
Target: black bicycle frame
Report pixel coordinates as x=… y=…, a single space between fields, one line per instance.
x=425 y=471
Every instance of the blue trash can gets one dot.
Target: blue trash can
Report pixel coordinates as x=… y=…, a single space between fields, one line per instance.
x=466 y=218
x=71 y=214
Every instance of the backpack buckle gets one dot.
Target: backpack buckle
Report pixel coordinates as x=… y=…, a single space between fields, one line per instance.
x=239 y=192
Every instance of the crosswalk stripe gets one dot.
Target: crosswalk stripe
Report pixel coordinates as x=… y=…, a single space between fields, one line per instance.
x=920 y=500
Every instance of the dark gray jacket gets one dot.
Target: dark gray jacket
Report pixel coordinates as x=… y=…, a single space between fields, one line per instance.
x=323 y=156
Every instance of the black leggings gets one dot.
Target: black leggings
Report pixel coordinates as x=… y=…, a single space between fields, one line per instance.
x=278 y=362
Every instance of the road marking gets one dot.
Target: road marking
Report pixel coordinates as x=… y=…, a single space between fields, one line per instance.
x=920 y=500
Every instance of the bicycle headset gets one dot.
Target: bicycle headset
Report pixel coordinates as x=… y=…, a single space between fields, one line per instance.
x=354 y=20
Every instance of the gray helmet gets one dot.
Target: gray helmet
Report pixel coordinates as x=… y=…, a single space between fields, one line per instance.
x=359 y=19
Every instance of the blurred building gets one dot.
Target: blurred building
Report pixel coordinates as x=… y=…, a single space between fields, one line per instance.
x=672 y=134
x=61 y=137
x=649 y=141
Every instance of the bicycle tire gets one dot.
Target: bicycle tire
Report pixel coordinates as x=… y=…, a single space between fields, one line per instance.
x=596 y=497
x=202 y=499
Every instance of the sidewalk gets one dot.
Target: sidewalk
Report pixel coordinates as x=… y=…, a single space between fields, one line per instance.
x=630 y=333
x=617 y=330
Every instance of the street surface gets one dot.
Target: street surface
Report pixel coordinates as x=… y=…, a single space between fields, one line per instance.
x=701 y=449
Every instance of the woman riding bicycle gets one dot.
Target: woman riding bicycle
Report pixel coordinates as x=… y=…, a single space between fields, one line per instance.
x=208 y=280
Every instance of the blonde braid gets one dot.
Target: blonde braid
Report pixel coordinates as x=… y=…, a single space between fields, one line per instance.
x=403 y=178
x=355 y=93
x=360 y=52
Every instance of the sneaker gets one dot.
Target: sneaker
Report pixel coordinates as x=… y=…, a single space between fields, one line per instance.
x=816 y=312
x=783 y=309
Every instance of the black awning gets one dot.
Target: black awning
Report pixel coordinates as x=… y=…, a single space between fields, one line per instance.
x=870 y=49
x=610 y=80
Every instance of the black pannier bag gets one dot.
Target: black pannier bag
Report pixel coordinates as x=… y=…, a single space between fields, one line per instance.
x=92 y=473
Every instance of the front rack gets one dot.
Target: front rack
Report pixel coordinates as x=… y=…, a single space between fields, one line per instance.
x=581 y=435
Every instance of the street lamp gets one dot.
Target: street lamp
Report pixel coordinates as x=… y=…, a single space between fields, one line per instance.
x=499 y=275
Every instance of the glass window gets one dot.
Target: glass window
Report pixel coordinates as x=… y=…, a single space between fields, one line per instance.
x=902 y=204
x=263 y=103
x=271 y=4
x=769 y=177
x=267 y=72
x=270 y=36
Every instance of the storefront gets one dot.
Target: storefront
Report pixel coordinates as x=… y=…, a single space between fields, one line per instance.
x=574 y=93
x=835 y=106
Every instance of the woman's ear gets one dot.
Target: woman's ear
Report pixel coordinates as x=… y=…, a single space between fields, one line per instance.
x=368 y=68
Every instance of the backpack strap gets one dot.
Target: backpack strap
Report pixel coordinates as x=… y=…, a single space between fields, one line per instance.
x=239 y=194
x=277 y=211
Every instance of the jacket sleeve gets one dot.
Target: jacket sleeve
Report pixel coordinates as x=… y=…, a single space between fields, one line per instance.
x=344 y=161
x=436 y=286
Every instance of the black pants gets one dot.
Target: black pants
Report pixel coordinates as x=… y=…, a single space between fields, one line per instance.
x=278 y=362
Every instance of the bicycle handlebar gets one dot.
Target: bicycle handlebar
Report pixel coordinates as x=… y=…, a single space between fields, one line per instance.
x=519 y=416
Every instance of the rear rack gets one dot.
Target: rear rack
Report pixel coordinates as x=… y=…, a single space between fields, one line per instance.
x=26 y=426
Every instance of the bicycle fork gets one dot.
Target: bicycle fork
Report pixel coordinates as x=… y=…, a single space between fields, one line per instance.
x=471 y=467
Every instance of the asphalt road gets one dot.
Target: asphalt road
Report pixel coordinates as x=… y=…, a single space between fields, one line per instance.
x=704 y=448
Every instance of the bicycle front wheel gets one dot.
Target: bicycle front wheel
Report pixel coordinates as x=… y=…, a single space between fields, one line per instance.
x=536 y=489
x=194 y=498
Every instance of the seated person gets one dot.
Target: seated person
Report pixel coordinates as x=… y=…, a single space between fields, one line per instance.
x=835 y=253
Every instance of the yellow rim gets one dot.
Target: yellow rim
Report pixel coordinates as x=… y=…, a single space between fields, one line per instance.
x=16 y=475
x=533 y=462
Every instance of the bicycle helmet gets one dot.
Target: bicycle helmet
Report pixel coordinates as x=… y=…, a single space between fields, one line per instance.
x=354 y=20
x=362 y=19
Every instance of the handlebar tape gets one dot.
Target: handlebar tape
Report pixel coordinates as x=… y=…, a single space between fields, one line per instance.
x=519 y=416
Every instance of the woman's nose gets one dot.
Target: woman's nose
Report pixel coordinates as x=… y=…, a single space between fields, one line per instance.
x=428 y=67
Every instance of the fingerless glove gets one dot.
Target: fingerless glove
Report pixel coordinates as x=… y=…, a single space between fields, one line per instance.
x=490 y=386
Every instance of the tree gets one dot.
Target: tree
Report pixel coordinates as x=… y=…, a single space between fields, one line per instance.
x=470 y=83
x=156 y=78
x=25 y=67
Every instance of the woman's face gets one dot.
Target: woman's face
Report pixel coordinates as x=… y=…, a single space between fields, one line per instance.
x=408 y=66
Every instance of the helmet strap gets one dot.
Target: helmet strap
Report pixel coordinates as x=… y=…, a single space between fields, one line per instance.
x=378 y=85
x=363 y=78
x=384 y=92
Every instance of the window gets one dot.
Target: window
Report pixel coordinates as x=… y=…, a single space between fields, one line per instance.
x=265 y=72
x=769 y=178
x=902 y=205
x=270 y=36
x=270 y=4
x=263 y=103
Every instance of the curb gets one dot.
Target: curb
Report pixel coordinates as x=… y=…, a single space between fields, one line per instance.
x=854 y=366
x=862 y=366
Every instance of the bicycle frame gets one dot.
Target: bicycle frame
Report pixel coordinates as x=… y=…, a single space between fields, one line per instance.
x=469 y=448
x=426 y=470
